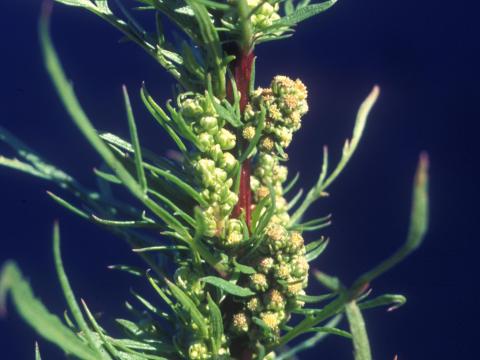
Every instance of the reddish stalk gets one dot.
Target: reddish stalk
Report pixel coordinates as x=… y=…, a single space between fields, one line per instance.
x=242 y=71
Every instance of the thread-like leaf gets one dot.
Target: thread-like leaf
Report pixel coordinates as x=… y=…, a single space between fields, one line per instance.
x=216 y=324
x=70 y=296
x=142 y=180
x=315 y=251
x=37 y=316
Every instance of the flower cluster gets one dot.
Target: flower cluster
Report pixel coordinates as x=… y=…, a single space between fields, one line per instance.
x=212 y=166
x=285 y=102
x=282 y=269
x=282 y=273
x=265 y=13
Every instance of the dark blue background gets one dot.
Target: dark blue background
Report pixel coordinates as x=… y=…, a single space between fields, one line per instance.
x=423 y=54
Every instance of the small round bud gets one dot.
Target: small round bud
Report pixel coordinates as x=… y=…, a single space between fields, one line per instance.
x=206 y=140
x=274 y=300
x=271 y=319
x=248 y=132
x=267 y=143
x=274 y=112
x=294 y=289
x=225 y=139
x=240 y=323
x=265 y=265
x=282 y=271
x=198 y=351
x=258 y=282
x=300 y=267
x=262 y=192
x=228 y=161
x=296 y=241
x=254 y=305
x=209 y=123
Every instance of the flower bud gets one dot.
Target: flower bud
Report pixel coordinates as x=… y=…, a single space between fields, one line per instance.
x=254 y=305
x=198 y=351
x=258 y=282
x=248 y=132
x=209 y=123
x=227 y=161
x=225 y=139
x=240 y=323
x=265 y=265
x=274 y=300
x=271 y=319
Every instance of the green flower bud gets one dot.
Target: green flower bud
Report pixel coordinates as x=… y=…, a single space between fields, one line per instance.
x=276 y=237
x=227 y=162
x=190 y=108
x=209 y=124
x=206 y=140
x=296 y=242
x=225 y=139
x=300 y=267
x=280 y=173
x=282 y=271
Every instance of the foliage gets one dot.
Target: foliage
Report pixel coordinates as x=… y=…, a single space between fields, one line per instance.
x=238 y=290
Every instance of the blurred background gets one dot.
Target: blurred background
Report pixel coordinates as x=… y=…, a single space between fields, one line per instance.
x=424 y=55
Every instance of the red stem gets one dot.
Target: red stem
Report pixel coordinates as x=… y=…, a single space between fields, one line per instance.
x=242 y=71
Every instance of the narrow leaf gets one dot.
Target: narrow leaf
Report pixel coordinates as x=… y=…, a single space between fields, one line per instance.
x=142 y=180
x=228 y=287
x=37 y=316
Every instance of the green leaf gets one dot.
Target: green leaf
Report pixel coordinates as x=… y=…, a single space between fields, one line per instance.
x=243 y=269
x=330 y=282
x=70 y=101
x=189 y=306
x=68 y=206
x=37 y=316
x=37 y=352
x=302 y=14
x=348 y=150
x=417 y=230
x=316 y=249
x=314 y=298
x=70 y=296
x=100 y=332
x=161 y=117
x=393 y=301
x=310 y=342
x=142 y=180
x=216 y=325
x=22 y=166
x=361 y=344
x=331 y=331
x=228 y=287
x=162 y=248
